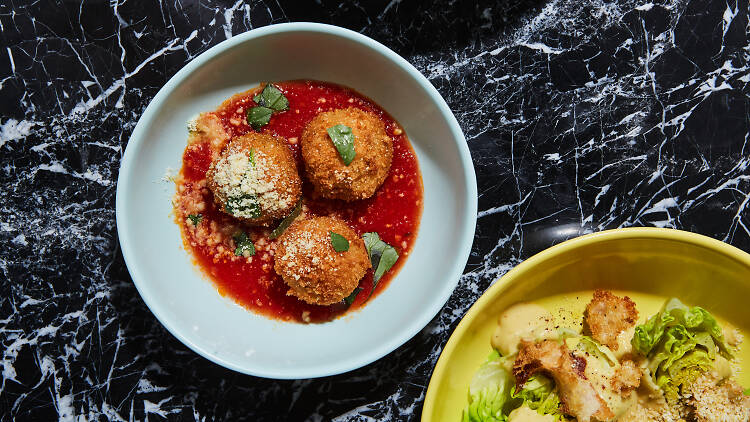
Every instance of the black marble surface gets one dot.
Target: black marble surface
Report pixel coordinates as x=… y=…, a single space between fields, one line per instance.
x=580 y=116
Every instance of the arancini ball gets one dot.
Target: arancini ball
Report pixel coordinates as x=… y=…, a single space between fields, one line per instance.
x=255 y=179
x=307 y=261
x=327 y=171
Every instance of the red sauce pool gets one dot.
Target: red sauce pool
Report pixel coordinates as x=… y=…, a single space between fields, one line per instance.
x=393 y=212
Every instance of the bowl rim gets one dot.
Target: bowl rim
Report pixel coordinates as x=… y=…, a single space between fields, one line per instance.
x=497 y=288
x=469 y=183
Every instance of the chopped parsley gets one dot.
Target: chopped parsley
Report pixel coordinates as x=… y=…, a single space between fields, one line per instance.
x=244 y=244
x=195 y=219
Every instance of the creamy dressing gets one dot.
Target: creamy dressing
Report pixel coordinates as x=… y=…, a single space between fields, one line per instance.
x=624 y=346
x=601 y=377
x=732 y=335
x=524 y=321
x=532 y=322
x=722 y=367
x=526 y=414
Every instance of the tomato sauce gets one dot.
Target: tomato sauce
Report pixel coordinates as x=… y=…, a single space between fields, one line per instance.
x=393 y=212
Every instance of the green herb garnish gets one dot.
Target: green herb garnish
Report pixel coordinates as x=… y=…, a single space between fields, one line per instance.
x=382 y=256
x=287 y=221
x=259 y=116
x=244 y=244
x=343 y=140
x=271 y=97
x=339 y=242
x=195 y=218
x=237 y=204
x=350 y=299
x=269 y=100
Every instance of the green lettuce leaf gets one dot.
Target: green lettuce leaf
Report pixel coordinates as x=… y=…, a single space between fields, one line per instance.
x=539 y=393
x=489 y=391
x=680 y=344
x=602 y=352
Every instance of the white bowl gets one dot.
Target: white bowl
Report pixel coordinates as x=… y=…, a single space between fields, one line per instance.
x=189 y=305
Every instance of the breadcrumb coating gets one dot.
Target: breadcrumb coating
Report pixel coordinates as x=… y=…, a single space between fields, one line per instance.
x=627 y=377
x=313 y=270
x=255 y=170
x=712 y=400
x=327 y=172
x=607 y=315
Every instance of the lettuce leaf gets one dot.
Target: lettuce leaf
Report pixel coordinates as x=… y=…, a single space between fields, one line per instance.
x=539 y=393
x=489 y=391
x=680 y=344
x=600 y=351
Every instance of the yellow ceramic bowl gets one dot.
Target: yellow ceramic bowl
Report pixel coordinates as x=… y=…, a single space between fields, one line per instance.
x=648 y=264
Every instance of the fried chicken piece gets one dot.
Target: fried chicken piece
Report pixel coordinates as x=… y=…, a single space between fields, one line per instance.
x=627 y=377
x=577 y=394
x=607 y=316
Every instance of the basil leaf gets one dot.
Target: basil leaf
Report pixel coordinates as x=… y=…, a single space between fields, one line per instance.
x=287 y=221
x=243 y=244
x=375 y=248
x=272 y=98
x=195 y=219
x=350 y=299
x=237 y=204
x=390 y=256
x=343 y=140
x=382 y=256
x=259 y=116
x=339 y=242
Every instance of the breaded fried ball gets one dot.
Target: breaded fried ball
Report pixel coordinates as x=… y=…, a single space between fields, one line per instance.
x=313 y=270
x=326 y=170
x=255 y=179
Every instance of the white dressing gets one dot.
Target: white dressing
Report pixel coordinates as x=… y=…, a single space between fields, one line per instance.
x=624 y=346
x=722 y=367
x=524 y=321
x=526 y=414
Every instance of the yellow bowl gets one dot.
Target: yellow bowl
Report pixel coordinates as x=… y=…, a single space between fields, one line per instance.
x=648 y=264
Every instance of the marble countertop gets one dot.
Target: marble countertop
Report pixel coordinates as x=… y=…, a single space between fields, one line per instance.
x=580 y=116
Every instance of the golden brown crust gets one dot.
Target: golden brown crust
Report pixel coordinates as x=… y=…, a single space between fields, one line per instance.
x=578 y=395
x=278 y=170
x=627 y=377
x=313 y=270
x=327 y=172
x=607 y=315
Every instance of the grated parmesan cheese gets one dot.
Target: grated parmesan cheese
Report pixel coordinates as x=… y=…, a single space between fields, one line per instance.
x=192 y=124
x=249 y=183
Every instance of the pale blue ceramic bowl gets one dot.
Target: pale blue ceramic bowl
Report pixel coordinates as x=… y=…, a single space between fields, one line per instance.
x=188 y=304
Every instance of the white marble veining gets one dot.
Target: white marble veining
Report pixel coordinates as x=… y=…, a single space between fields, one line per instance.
x=581 y=116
